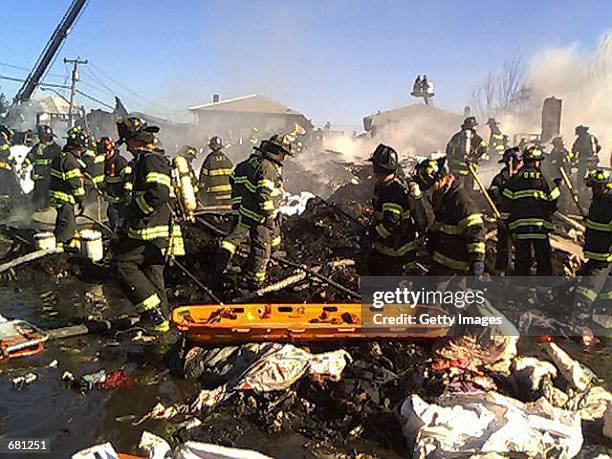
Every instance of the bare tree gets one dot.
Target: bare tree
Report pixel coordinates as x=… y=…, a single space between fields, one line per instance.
x=502 y=90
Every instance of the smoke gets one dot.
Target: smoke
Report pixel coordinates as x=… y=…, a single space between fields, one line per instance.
x=584 y=83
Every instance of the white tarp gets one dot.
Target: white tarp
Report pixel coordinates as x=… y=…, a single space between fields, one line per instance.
x=489 y=422
x=295 y=204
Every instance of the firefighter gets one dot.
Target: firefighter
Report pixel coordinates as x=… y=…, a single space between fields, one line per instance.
x=530 y=201
x=237 y=181
x=41 y=156
x=9 y=187
x=456 y=238
x=150 y=236
x=116 y=185
x=190 y=153
x=391 y=239
x=513 y=161
x=465 y=146
x=584 y=154
x=93 y=160
x=498 y=142
x=558 y=157
x=594 y=288
x=66 y=188
x=215 y=186
x=258 y=215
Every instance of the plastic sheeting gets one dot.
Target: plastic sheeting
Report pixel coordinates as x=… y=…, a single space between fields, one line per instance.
x=489 y=423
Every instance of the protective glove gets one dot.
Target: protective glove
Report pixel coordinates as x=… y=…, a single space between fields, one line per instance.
x=477 y=268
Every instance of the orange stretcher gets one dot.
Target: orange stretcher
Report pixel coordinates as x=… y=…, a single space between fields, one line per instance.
x=213 y=323
x=19 y=338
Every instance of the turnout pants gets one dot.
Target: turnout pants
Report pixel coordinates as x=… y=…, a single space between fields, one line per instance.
x=40 y=195
x=65 y=224
x=264 y=239
x=140 y=266
x=113 y=212
x=502 y=247
x=524 y=258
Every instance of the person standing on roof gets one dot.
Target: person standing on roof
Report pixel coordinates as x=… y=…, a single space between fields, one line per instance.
x=584 y=154
x=456 y=238
x=151 y=236
x=9 y=186
x=391 y=240
x=513 y=161
x=259 y=214
x=466 y=146
x=66 y=186
x=498 y=142
x=530 y=201
x=41 y=156
x=215 y=186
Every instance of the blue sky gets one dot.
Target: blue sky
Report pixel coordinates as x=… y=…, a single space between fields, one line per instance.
x=335 y=59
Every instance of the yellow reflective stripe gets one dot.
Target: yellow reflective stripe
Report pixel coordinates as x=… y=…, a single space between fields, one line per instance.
x=598 y=256
x=507 y=193
x=243 y=180
x=61 y=196
x=450 y=262
x=143 y=204
x=476 y=247
x=42 y=162
x=217 y=188
x=267 y=205
x=150 y=302
x=530 y=222
x=554 y=194
x=98 y=179
x=445 y=228
x=253 y=215
x=276 y=241
x=266 y=183
x=148 y=234
x=80 y=191
x=470 y=220
x=382 y=231
x=397 y=252
x=598 y=226
x=56 y=173
x=260 y=276
x=531 y=236
x=4 y=165
x=587 y=293
x=226 y=245
x=158 y=177
x=72 y=173
x=99 y=159
x=128 y=186
x=505 y=215
x=605 y=296
x=220 y=171
x=392 y=207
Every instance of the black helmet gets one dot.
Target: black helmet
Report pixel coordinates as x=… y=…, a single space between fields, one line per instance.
x=581 y=129
x=44 y=131
x=188 y=151
x=6 y=130
x=511 y=154
x=215 y=143
x=78 y=138
x=491 y=122
x=533 y=153
x=469 y=123
x=384 y=158
x=106 y=145
x=429 y=171
x=277 y=145
x=599 y=176
x=134 y=128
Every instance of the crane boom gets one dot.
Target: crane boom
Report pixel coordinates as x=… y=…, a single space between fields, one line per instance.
x=48 y=54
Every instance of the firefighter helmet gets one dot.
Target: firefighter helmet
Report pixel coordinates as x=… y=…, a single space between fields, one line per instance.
x=469 y=123
x=4 y=129
x=279 y=144
x=533 y=153
x=134 y=128
x=385 y=158
x=581 y=129
x=492 y=122
x=188 y=152
x=78 y=138
x=106 y=145
x=429 y=171
x=599 y=176
x=44 y=131
x=215 y=143
x=511 y=154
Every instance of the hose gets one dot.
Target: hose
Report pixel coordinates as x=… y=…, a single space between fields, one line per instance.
x=28 y=257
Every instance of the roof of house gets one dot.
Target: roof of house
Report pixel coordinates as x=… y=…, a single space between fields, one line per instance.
x=420 y=111
x=54 y=104
x=247 y=104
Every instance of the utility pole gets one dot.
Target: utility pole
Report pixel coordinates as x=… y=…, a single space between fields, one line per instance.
x=75 y=77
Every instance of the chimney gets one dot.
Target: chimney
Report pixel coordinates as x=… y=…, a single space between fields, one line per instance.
x=215 y=98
